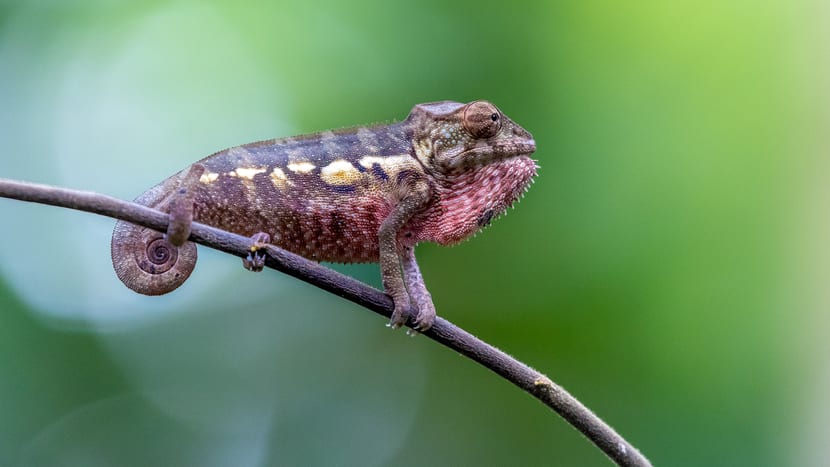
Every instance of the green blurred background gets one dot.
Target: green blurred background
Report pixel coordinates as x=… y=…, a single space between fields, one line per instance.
x=669 y=267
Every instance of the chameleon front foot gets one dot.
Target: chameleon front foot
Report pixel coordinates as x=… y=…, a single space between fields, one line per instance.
x=256 y=261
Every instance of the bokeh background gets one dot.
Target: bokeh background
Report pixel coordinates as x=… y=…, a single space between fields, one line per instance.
x=669 y=267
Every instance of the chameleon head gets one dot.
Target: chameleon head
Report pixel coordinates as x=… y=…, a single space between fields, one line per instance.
x=451 y=137
x=478 y=160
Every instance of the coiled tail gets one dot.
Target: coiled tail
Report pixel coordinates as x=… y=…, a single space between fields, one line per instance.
x=144 y=259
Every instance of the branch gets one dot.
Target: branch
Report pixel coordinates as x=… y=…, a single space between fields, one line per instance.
x=445 y=333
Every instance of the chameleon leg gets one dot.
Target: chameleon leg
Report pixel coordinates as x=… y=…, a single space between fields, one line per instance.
x=180 y=206
x=390 y=258
x=418 y=291
x=256 y=261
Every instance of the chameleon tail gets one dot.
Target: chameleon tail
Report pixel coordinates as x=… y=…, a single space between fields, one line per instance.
x=144 y=259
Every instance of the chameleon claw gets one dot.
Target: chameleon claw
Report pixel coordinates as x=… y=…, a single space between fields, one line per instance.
x=256 y=261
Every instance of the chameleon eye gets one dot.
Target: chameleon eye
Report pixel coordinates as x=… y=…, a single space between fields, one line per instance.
x=481 y=119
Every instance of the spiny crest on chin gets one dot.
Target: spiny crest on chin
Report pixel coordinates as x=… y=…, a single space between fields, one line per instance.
x=476 y=198
x=482 y=228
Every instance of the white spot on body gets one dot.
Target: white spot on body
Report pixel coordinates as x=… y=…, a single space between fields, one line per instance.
x=279 y=178
x=302 y=167
x=391 y=165
x=247 y=172
x=388 y=162
x=340 y=172
x=208 y=177
x=246 y=176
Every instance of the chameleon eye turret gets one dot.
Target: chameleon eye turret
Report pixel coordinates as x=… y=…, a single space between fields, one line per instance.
x=481 y=119
x=367 y=194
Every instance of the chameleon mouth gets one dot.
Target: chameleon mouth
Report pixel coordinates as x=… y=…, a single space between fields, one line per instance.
x=511 y=148
x=486 y=153
x=523 y=147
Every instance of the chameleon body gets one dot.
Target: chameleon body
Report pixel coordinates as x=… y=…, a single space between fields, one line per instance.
x=367 y=194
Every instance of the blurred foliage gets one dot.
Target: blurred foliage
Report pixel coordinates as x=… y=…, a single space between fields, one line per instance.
x=669 y=267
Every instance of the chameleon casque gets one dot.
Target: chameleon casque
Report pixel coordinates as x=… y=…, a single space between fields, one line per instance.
x=365 y=194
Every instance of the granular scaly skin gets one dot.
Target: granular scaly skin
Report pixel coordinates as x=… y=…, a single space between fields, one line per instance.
x=367 y=194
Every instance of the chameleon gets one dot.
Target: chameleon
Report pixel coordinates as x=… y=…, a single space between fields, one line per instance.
x=363 y=194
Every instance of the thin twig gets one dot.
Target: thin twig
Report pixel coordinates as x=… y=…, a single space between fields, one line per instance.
x=443 y=332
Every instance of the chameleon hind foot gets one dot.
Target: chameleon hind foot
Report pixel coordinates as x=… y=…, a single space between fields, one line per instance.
x=256 y=261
